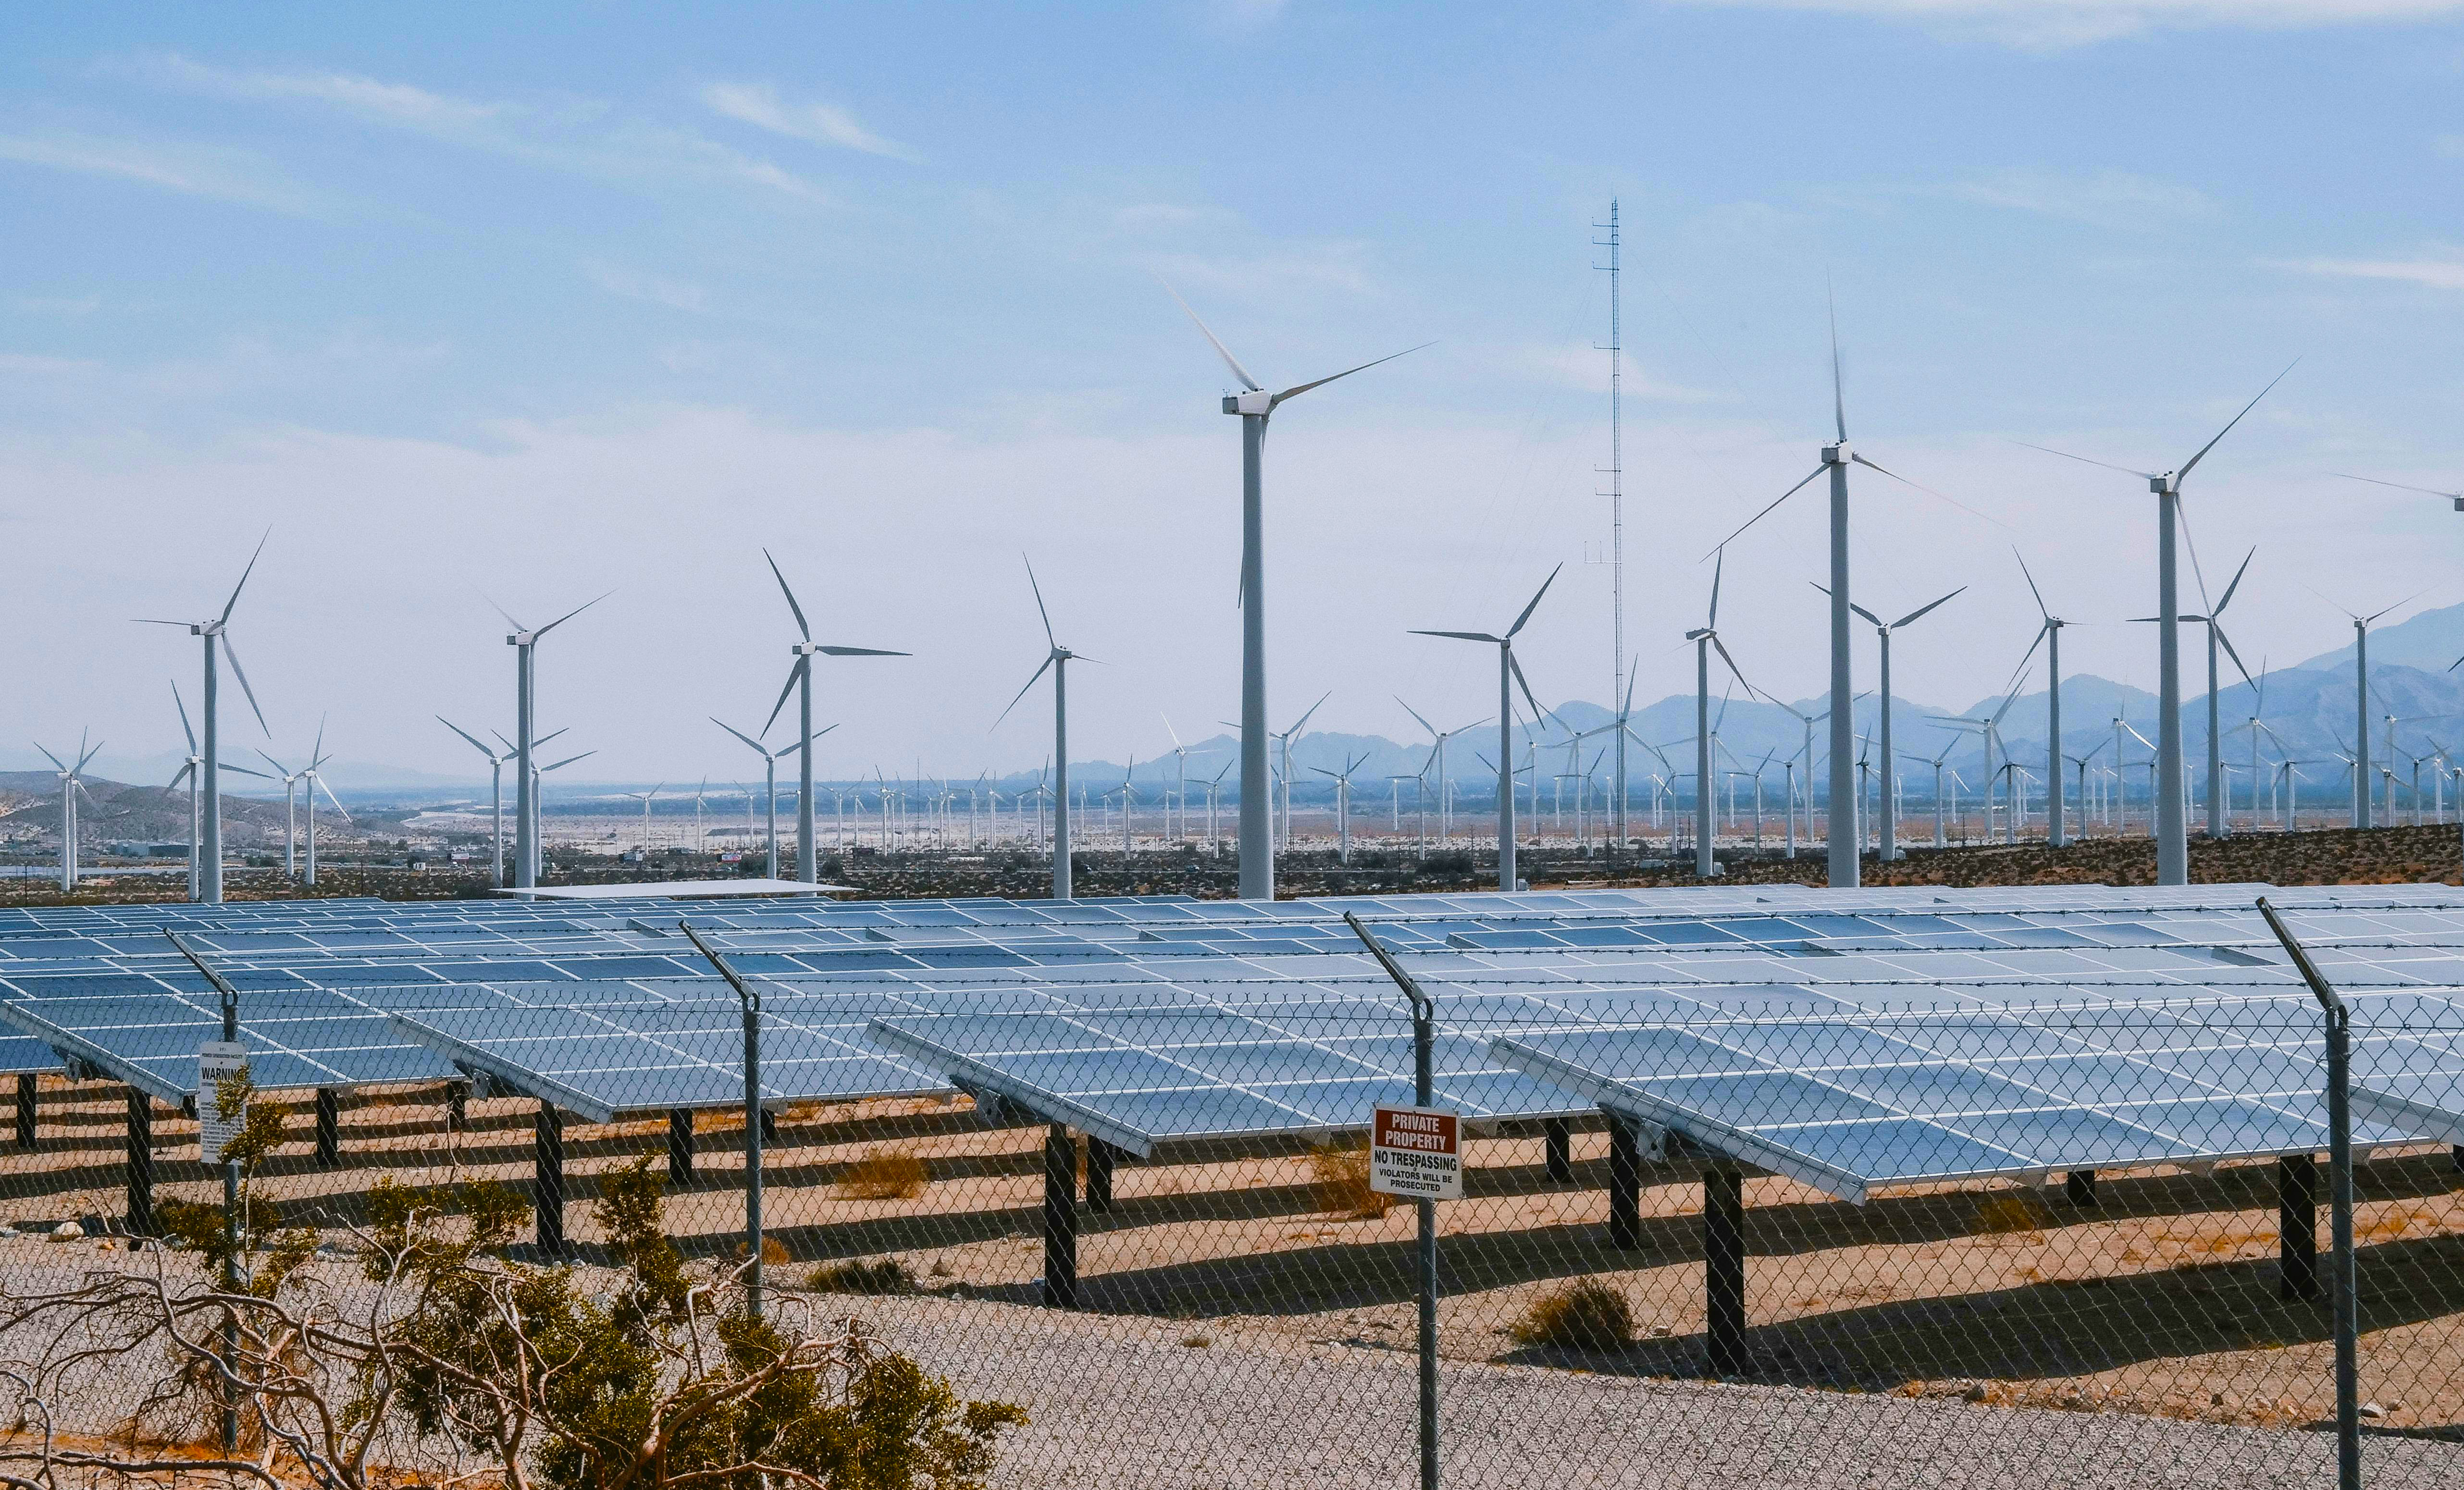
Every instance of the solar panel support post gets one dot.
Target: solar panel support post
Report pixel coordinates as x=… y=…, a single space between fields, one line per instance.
x=1060 y=1219
x=329 y=1128
x=2079 y=1188
x=1625 y=1186
x=1100 y=1157
x=547 y=1179
x=29 y=1090
x=680 y=1146
x=141 y=1164
x=1558 y=1142
x=2346 y=1280
x=756 y=1118
x=2296 y=1225
x=1724 y=1268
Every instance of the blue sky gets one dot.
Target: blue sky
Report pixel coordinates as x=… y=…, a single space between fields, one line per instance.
x=593 y=297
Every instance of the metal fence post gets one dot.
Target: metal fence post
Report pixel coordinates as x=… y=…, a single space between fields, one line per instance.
x=1423 y=1093
x=2344 y=1267
x=756 y=1118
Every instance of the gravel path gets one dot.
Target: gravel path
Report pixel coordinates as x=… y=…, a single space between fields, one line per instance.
x=1118 y=1401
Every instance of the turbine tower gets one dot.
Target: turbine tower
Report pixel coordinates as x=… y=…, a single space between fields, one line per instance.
x=1056 y=660
x=315 y=776
x=1510 y=674
x=2171 y=818
x=800 y=681
x=1704 y=638
x=2362 y=711
x=209 y=851
x=496 y=799
x=2219 y=795
x=72 y=782
x=769 y=784
x=1254 y=406
x=2051 y=633
x=526 y=804
x=1890 y=845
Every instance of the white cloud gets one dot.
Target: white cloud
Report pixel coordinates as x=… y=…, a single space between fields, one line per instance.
x=2074 y=21
x=2434 y=274
x=574 y=135
x=815 y=122
x=655 y=288
x=199 y=170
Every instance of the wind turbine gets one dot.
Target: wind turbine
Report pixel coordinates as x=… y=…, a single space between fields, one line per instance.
x=1343 y=805
x=769 y=783
x=645 y=799
x=1510 y=674
x=1254 y=406
x=313 y=775
x=2056 y=835
x=1437 y=757
x=1056 y=661
x=2457 y=498
x=209 y=861
x=2171 y=818
x=2362 y=710
x=1936 y=761
x=800 y=681
x=1837 y=458
x=1284 y=751
x=526 y=804
x=72 y=782
x=496 y=797
x=2219 y=801
x=192 y=769
x=1180 y=755
x=1890 y=846
x=290 y=780
x=1704 y=638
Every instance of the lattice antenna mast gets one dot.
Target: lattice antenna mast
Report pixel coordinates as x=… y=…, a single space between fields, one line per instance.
x=1616 y=494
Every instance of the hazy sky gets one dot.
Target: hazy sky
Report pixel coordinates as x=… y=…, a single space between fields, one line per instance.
x=548 y=300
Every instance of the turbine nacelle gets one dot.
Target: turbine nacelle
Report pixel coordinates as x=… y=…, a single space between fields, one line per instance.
x=1837 y=454
x=2166 y=484
x=1254 y=402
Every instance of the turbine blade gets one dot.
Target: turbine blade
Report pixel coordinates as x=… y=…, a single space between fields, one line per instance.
x=2225 y=643
x=1299 y=389
x=239 y=673
x=184 y=727
x=243 y=576
x=1535 y=599
x=2144 y=475
x=1021 y=693
x=1921 y=609
x=1838 y=394
x=2032 y=582
x=1718 y=568
x=1301 y=723
x=798 y=611
x=739 y=734
x=331 y=798
x=2237 y=419
x=1858 y=610
x=1766 y=511
x=568 y=760
x=2399 y=486
x=1723 y=649
x=2398 y=605
x=55 y=760
x=1459 y=636
x=858 y=651
x=287 y=771
x=466 y=734
x=1514 y=664
x=502 y=611
x=183 y=774
x=2218 y=608
x=1049 y=639
x=570 y=614
x=1221 y=350
x=1433 y=729
x=794 y=675
x=1926 y=490
x=89 y=755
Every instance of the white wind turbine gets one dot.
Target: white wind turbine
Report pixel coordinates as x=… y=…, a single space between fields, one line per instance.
x=1437 y=757
x=1837 y=458
x=290 y=780
x=2219 y=799
x=800 y=681
x=2171 y=826
x=1057 y=659
x=1254 y=406
x=313 y=775
x=72 y=782
x=1283 y=743
x=1936 y=761
x=2051 y=633
x=496 y=799
x=1509 y=676
x=645 y=799
x=526 y=772
x=2362 y=703
x=210 y=852
x=192 y=769
x=1705 y=638
x=769 y=785
x=1890 y=845
x=1343 y=805
x=1180 y=755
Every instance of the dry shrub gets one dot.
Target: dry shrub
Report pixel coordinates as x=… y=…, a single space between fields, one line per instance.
x=1339 y=1180
x=2006 y=1215
x=1584 y=1315
x=877 y=1275
x=773 y=1252
x=893 y=1175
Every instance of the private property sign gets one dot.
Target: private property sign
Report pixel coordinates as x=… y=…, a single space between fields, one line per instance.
x=1416 y=1152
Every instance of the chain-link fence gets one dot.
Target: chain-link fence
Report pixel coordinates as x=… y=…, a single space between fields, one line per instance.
x=1970 y=1242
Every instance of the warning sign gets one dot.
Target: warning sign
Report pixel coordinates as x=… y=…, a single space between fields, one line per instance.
x=1416 y=1152
x=218 y=1061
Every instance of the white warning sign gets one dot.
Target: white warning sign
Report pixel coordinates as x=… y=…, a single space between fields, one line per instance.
x=1416 y=1152
x=217 y=1062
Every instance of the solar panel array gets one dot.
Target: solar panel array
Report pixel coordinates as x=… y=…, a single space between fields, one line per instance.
x=1717 y=1012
